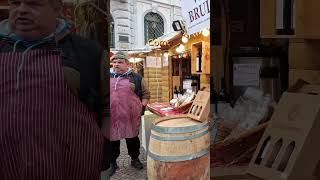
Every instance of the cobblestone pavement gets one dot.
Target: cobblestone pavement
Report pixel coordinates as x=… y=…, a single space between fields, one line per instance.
x=126 y=171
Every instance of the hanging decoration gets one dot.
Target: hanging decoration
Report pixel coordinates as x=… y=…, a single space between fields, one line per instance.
x=183 y=55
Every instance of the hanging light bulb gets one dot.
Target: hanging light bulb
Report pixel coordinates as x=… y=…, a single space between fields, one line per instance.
x=185 y=39
x=166 y=54
x=181 y=47
x=132 y=60
x=206 y=32
x=178 y=50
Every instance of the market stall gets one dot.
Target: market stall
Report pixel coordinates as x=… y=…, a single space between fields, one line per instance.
x=180 y=66
x=189 y=58
x=172 y=76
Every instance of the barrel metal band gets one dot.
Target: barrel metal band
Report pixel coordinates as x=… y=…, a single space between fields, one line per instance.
x=178 y=158
x=179 y=138
x=173 y=130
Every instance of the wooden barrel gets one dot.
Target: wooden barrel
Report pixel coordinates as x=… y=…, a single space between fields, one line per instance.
x=179 y=149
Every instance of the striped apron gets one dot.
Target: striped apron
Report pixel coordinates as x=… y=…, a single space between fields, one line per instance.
x=46 y=133
x=126 y=108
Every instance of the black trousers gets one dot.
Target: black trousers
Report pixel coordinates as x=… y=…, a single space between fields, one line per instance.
x=133 y=146
x=107 y=150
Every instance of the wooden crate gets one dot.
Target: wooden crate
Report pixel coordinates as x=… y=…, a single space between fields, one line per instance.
x=287 y=150
x=200 y=107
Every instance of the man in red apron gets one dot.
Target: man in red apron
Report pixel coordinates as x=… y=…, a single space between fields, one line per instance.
x=128 y=97
x=51 y=106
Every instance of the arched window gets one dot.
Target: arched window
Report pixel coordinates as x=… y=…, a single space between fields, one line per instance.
x=112 y=35
x=153 y=26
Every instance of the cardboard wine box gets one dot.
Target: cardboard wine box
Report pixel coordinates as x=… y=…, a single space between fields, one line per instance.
x=289 y=148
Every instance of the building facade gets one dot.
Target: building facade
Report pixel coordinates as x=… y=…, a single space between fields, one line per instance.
x=134 y=22
x=137 y=21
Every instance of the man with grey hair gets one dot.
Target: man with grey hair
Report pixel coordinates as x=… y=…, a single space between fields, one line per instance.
x=52 y=96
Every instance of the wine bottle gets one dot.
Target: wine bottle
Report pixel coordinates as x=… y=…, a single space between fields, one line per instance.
x=194 y=86
x=175 y=93
x=285 y=17
x=198 y=61
x=180 y=92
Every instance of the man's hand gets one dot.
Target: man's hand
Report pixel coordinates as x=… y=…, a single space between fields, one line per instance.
x=145 y=102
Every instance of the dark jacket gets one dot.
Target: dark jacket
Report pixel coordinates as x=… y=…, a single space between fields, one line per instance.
x=137 y=83
x=83 y=62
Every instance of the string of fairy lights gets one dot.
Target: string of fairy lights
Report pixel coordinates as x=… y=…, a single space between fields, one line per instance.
x=185 y=39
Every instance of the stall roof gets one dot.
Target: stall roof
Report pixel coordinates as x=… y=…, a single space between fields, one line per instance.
x=173 y=40
x=132 y=51
x=169 y=36
x=137 y=52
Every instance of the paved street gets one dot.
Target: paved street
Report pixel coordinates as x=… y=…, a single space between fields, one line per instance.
x=125 y=171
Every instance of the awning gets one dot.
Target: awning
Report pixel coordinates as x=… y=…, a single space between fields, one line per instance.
x=132 y=51
x=168 y=36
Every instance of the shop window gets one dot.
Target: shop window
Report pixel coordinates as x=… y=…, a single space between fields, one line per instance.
x=263 y=151
x=286 y=157
x=274 y=153
x=124 y=39
x=185 y=66
x=153 y=26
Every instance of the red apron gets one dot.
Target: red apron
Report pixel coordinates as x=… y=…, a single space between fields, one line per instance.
x=46 y=133
x=125 y=110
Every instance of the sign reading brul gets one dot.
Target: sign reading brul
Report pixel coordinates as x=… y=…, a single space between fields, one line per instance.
x=196 y=14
